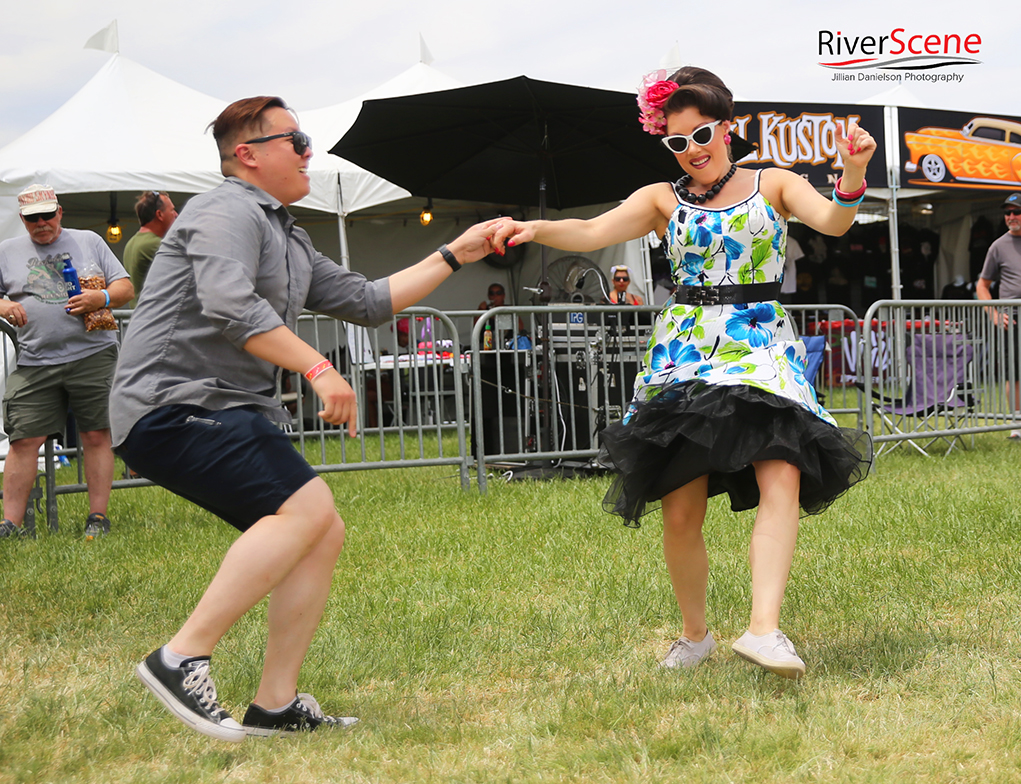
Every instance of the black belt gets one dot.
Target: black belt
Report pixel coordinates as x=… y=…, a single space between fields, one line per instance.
x=726 y=295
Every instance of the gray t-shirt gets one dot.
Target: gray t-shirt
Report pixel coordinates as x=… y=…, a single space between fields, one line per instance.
x=1003 y=263
x=32 y=276
x=233 y=265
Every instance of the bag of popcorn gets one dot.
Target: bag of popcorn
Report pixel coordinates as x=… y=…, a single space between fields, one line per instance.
x=91 y=277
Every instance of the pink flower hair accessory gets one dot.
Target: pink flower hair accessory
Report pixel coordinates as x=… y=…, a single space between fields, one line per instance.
x=653 y=92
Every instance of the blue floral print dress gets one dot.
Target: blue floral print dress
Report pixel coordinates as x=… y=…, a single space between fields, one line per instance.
x=723 y=386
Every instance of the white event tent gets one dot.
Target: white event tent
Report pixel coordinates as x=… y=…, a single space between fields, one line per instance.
x=131 y=129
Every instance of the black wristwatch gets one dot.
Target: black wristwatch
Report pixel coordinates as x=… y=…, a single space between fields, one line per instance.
x=449 y=257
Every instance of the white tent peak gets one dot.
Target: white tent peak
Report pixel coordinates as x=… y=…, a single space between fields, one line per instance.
x=424 y=55
x=127 y=129
x=360 y=189
x=671 y=61
x=106 y=40
x=898 y=95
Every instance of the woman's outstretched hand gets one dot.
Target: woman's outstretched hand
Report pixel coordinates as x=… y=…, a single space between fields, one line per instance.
x=476 y=242
x=509 y=232
x=857 y=147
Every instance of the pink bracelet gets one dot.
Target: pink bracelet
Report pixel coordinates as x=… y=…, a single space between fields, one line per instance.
x=843 y=196
x=318 y=370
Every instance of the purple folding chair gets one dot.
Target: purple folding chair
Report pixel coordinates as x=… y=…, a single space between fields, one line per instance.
x=938 y=396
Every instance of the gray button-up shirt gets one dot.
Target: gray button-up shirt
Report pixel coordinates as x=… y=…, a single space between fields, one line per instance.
x=232 y=266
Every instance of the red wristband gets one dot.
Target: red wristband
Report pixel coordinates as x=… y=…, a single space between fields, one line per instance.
x=317 y=370
x=844 y=196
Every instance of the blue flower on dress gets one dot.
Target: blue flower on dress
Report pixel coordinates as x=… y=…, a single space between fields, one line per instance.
x=692 y=263
x=712 y=221
x=686 y=324
x=797 y=365
x=672 y=354
x=736 y=369
x=746 y=323
x=703 y=369
x=699 y=233
x=733 y=249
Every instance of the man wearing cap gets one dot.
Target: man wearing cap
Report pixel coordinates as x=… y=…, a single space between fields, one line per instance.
x=59 y=362
x=1003 y=263
x=156 y=214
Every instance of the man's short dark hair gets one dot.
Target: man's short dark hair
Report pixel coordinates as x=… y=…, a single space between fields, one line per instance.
x=146 y=205
x=240 y=119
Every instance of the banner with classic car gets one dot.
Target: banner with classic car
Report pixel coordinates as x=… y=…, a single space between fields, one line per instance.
x=800 y=137
x=942 y=149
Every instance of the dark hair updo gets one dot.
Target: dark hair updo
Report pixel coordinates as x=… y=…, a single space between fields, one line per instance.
x=702 y=89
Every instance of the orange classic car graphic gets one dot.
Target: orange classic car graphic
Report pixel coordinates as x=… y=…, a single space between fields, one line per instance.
x=985 y=152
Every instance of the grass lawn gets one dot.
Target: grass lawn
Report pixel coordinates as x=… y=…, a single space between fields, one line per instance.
x=515 y=637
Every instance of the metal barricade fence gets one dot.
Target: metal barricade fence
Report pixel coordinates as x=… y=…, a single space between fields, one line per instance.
x=522 y=415
x=409 y=385
x=939 y=370
x=411 y=375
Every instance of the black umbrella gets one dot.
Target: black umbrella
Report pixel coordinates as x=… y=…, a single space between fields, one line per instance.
x=519 y=141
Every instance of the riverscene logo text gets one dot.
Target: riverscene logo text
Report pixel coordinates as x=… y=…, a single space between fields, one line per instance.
x=908 y=54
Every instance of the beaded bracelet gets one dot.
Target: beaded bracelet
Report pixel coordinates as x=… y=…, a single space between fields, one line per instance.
x=318 y=370
x=107 y=293
x=854 y=203
x=845 y=196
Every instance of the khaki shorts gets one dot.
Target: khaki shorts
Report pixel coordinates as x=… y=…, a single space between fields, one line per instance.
x=37 y=397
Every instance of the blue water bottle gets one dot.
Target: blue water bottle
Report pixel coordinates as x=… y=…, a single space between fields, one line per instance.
x=71 y=282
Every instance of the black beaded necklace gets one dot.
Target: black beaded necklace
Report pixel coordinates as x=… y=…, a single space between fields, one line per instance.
x=681 y=186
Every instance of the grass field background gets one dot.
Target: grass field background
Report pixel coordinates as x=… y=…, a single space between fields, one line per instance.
x=514 y=637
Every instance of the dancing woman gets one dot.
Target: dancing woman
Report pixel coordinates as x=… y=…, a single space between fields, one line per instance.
x=721 y=403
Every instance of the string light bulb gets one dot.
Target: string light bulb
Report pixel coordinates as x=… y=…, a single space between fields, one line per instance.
x=113 y=231
x=426 y=216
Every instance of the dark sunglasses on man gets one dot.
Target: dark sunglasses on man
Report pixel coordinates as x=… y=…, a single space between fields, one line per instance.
x=1012 y=211
x=300 y=140
x=40 y=216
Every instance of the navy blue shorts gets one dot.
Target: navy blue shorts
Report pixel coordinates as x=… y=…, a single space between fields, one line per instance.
x=235 y=463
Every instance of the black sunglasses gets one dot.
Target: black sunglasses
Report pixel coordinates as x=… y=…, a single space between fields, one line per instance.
x=40 y=216
x=1012 y=212
x=621 y=280
x=301 y=141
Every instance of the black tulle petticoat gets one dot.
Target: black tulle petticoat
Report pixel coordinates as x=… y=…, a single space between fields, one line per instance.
x=692 y=429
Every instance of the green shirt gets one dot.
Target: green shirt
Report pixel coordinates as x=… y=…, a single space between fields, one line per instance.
x=138 y=255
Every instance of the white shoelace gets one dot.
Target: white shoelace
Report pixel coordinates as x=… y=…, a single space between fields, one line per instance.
x=201 y=685
x=308 y=702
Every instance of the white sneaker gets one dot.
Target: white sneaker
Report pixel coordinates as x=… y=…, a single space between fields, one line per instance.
x=687 y=653
x=773 y=652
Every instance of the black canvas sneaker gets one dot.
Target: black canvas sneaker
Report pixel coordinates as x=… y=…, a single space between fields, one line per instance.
x=96 y=524
x=189 y=693
x=302 y=715
x=9 y=530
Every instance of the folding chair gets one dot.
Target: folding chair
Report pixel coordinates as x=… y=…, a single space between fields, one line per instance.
x=815 y=353
x=938 y=395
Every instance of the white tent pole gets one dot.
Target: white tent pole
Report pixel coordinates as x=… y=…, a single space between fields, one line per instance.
x=893 y=175
x=345 y=256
